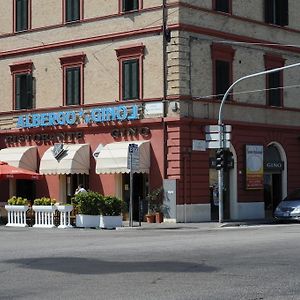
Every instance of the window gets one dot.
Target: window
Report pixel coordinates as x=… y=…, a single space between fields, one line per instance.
x=277 y=12
x=73 y=10
x=222 y=58
x=130 y=71
x=274 y=81
x=129 y=5
x=130 y=82
x=22 y=85
x=73 y=86
x=72 y=66
x=222 y=5
x=21 y=14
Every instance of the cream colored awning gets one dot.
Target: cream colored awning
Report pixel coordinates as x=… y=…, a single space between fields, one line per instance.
x=20 y=157
x=74 y=160
x=113 y=158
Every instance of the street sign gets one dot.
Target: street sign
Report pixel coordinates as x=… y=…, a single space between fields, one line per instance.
x=133 y=157
x=199 y=145
x=217 y=128
x=215 y=136
x=217 y=144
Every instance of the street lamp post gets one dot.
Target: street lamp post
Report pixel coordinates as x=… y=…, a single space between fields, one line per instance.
x=221 y=128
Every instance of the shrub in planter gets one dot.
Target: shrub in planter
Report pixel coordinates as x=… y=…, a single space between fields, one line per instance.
x=111 y=212
x=17 y=201
x=87 y=207
x=87 y=203
x=44 y=201
x=44 y=209
x=111 y=206
x=16 y=211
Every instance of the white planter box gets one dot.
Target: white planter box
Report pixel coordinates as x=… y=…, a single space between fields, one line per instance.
x=16 y=215
x=65 y=216
x=44 y=216
x=110 y=222
x=87 y=221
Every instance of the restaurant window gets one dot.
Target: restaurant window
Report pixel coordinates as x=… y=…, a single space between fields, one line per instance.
x=274 y=81
x=277 y=12
x=130 y=5
x=130 y=71
x=22 y=85
x=73 y=66
x=222 y=5
x=21 y=15
x=73 y=10
x=222 y=59
x=72 y=182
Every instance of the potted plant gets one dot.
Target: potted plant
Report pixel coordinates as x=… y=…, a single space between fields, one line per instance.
x=155 y=206
x=87 y=209
x=65 y=215
x=16 y=211
x=111 y=209
x=44 y=209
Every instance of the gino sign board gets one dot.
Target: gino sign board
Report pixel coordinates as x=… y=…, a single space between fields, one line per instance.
x=254 y=167
x=71 y=117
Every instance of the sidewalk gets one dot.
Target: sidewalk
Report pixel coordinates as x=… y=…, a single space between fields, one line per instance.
x=198 y=226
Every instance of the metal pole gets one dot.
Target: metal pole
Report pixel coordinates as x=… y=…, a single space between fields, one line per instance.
x=131 y=194
x=221 y=133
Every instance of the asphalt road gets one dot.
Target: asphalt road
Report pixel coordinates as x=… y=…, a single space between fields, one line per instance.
x=253 y=263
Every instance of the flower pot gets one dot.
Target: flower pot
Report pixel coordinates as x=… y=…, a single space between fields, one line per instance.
x=65 y=216
x=87 y=221
x=44 y=216
x=150 y=218
x=159 y=217
x=110 y=222
x=16 y=215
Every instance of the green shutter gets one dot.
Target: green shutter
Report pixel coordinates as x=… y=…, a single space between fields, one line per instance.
x=135 y=4
x=21 y=15
x=23 y=91
x=135 y=79
x=72 y=10
x=76 y=86
x=129 y=5
x=29 y=92
x=269 y=11
x=73 y=86
x=18 y=92
x=130 y=82
x=126 y=80
x=282 y=12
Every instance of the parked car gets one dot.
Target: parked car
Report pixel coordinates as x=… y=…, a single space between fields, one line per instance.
x=289 y=207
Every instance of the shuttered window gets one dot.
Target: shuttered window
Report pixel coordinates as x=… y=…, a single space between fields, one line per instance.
x=23 y=91
x=72 y=10
x=274 y=94
x=222 y=74
x=222 y=5
x=130 y=83
x=21 y=15
x=277 y=12
x=129 y=5
x=73 y=86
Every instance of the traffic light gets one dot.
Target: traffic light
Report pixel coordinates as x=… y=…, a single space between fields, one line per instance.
x=228 y=160
x=220 y=157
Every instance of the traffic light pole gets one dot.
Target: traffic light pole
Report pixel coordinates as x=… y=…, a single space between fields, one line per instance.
x=221 y=176
x=221 y=130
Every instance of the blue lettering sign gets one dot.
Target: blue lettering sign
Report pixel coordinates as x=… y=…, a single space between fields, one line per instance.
x=63 y=118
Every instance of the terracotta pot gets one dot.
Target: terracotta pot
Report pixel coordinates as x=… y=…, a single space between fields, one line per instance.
x=159 y=217
x=150 y=218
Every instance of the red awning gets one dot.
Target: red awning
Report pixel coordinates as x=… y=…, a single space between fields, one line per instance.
x=10 y=172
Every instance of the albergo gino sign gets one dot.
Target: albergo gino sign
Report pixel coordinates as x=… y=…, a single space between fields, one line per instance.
x=72 y=117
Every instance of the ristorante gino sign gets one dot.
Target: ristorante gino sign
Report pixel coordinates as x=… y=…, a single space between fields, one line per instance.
x=72 y=117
